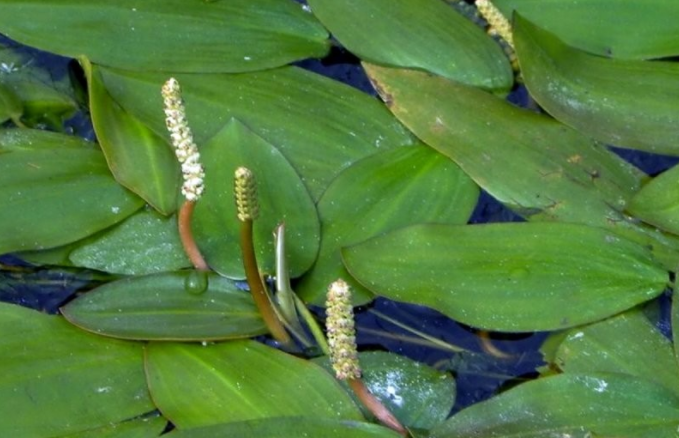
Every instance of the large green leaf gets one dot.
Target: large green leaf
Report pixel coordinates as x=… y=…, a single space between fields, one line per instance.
x=626 y=103
x=142 y=427
x=186 y=305
x=278 y=427
x=140 y=159
x=658 y=201
x=619 y=28
x=645 y=352
x=57 y=380
x=169 y=35
x=442 y=41
x=573 y=405
x=383 y=192
x=538 y=167
x=55 y=189
x=509 y=277
x=282 y=196
x=320 y=125
x=196 y=385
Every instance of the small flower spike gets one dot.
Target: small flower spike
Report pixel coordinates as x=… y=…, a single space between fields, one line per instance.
x=498 y=24
x=182 y=139
x=341 y=332
x=245 y=189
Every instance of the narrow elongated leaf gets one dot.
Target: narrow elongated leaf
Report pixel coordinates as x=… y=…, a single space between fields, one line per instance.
x=445 y=43
x=187 y=305
x=140 y=159
x=509 y=277
x=536 y=166
x=144 y=243
x=658 y=201
x=383 y=192
x=288 y=427
x=305 y=115
x=281 y=195
x=169 y=35
x=55 y=189
x=58 y=380
x=575 y=405
x=197 y=386
x=597 y=348
x=143 y=427
x=626 y=103
x=618 y=28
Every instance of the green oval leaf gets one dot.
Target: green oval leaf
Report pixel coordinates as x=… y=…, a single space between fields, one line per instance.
x=282 y=198
x=169 y=35
x=657 y=203
x=70 y=380
x=626 y=103
x=577 y=405
x=380 y=193
x=617 y=28
x=445 y=43
x=55 y=189
x=509 y=277
x=168 y=306
x=197 y=386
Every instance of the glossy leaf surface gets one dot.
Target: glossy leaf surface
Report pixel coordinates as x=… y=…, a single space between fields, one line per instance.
x=626 y=103
x=58 y=380
x=576 y=405
x=281 y=194
x=509 y=277
x=186 y=305
x=194 y=385
x=657 y=202
x=626 y=29
x=169 y=35
x=445 y=43
x=140 y=159
x=534 y=165
x=383 y=192
x=55 y=189
x=305 y=115
x=623 y=344
x=144 y=243
x=288 y=427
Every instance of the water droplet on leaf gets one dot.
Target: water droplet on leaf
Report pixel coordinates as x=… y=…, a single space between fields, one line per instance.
x=196 y=282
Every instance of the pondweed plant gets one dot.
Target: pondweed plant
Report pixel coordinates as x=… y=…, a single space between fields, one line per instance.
x=377 y=193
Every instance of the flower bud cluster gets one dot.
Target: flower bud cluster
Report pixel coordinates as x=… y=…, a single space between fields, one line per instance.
x=498 y=24
x=245 y=190
x=341 y=331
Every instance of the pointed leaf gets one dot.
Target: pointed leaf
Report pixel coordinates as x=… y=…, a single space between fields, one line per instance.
x=169 y=35
x=626 y=103
x=197 y=386
x=576 y=405
x=383 y=192
x=657 y=203
x=186 y=305
x=282 y=198
x=445 y=43
x=58 y=380
x=47 y=182
x=509 y=277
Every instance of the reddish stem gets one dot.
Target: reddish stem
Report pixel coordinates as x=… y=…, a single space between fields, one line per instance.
x=186 y=236
x=375 y=406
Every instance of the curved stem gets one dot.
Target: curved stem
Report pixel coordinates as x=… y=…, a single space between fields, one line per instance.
x=186 y=236
x=375 y=406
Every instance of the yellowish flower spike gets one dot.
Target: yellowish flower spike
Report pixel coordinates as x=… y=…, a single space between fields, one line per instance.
x=498 y=24
x=247 y=205
x=341 y=331
x=182 y=140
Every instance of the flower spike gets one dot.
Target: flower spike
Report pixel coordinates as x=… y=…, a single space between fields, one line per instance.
x=499 y=25
x=341 y=332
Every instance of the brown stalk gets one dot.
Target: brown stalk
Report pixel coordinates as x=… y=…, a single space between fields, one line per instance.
x=186 y=236
x=375 y=406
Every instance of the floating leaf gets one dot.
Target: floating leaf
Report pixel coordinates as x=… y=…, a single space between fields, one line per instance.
x=509 y=277
x=144 y=243
x=626 y=103
x=197 y=386
x=140 y=159
x=302 y=113
x=576 y=405
x=445 y=43
x=383 y=192
x=169 y=35
x=616 y=28
x=69 y=380
x=657 y=202
x=55 y=189
x=186 y=305
x=282 y=198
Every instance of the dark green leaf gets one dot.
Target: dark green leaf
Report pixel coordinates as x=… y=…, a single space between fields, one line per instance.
x=10 y=104
x=186 y=305
x=509 y=277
